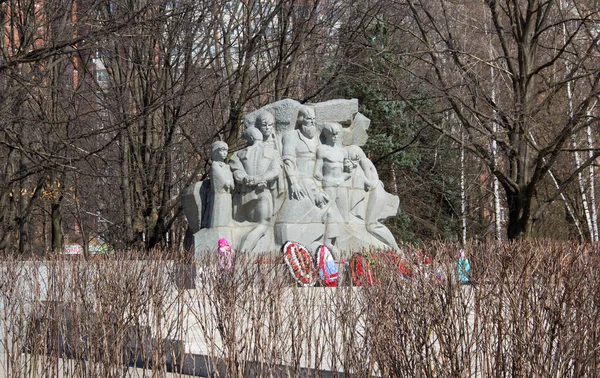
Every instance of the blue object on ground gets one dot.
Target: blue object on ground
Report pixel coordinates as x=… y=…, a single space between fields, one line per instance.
x=463 y=268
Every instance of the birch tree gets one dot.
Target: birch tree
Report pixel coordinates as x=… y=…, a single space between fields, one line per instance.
x=533 y=100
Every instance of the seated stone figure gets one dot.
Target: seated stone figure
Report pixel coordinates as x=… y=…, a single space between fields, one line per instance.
x=255 y=169
x=302 y=215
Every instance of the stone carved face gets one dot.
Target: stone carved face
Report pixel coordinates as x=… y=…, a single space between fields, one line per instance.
x=222 y=153
x=266 y=124
x=331 y=133
x=308 y=127
x=332 y=137
x=252 y=134
x=219 y=151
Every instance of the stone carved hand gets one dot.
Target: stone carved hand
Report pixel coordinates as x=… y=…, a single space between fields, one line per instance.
x=369 y=185
x=321 y=199
x=249 y=181
x=349 y=165
x=296 y=190
x=261 y=185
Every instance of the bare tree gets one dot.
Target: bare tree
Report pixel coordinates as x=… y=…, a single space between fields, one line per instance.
x=46 y=136
x=185 y=74
x=451 y=57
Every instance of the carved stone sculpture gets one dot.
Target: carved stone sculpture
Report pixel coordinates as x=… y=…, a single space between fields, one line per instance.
x=302 y=177
x=256 y=169
x=333 y=169
x=379 y=204
x=306 y=205
x=222 y=185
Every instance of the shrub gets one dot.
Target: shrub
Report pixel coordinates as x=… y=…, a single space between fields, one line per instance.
x=530 y=311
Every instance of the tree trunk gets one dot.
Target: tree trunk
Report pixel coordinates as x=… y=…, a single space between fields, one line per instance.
x=463 y=192
x=592 y=175
x=57 y=230
x=23 y=217
x=125 y=189
x=519 y=214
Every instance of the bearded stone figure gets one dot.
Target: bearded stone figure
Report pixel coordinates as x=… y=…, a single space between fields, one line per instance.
x=302 y=177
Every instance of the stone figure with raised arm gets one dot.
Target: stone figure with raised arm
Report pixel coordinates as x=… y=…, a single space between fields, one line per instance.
x=380 y=204
x=256 y=169
x=222 y=184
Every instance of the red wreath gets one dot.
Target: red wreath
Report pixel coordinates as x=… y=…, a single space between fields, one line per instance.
x=361 y=270
x=299 y=262
x=390 y=261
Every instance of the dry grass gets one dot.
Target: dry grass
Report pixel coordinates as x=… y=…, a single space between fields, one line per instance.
x=531 y=312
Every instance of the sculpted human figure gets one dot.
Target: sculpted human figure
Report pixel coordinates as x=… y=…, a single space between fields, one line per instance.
x=256 y=169
x=221 y=185
x=265 y=122
x=303 y=185
x=333 y=168
x=299 y=148
x=305 y=211
x=377 y=197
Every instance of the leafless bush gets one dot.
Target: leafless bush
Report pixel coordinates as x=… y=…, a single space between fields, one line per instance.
x=530 y=310
x=72 y=317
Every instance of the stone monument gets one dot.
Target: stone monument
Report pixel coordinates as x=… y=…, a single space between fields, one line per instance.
x=302 y=177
